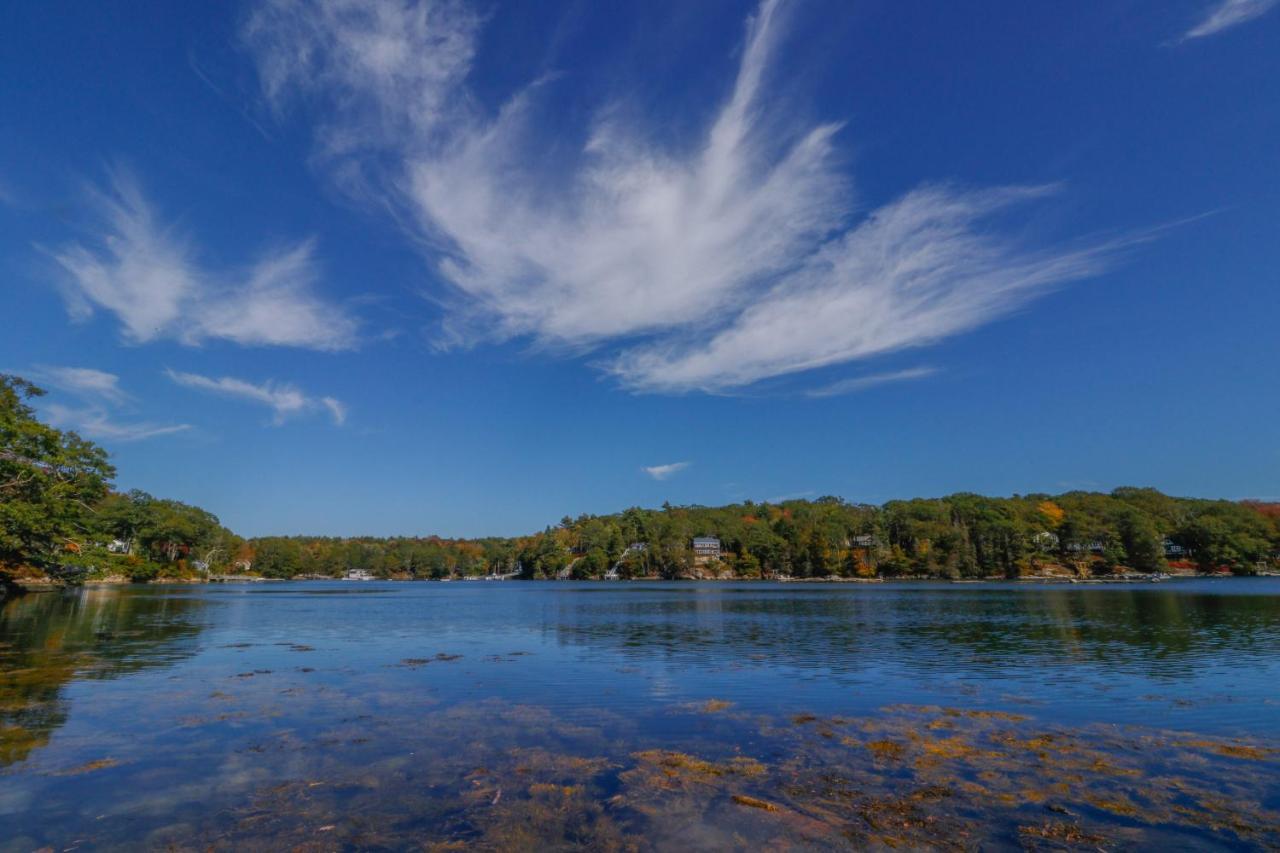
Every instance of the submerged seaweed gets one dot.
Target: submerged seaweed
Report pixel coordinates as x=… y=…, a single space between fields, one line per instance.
x=247 y=751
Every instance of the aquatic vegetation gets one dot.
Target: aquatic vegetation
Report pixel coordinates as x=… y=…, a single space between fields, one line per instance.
x=754 y=802
x=581 y=787
x=1061 y=831
x=885 y=749
x=91 y=766
x=414 y=663
x=936 y=749
x=367 y=753
x=678 y=765
x=1233 y=750
x=994 y=715
x=1116 y=805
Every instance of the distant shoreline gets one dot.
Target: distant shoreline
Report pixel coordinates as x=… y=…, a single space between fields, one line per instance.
x=51 y=585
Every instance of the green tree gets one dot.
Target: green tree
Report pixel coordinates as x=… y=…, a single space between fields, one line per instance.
x=1143 y=545
x=123 y=516
x=49 y=482
x=172 y=529
x=278 y=557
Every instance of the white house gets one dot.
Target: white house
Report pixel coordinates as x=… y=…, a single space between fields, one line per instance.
x=1045 y=540
x=706 y=549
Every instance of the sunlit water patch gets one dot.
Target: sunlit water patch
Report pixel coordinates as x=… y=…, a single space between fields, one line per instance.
x=637 y=716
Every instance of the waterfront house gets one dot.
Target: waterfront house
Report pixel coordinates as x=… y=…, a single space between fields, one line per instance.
x=706 y=549
x=1045 y=540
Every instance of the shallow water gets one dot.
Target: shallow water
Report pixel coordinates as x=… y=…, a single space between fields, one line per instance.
x=642 y=716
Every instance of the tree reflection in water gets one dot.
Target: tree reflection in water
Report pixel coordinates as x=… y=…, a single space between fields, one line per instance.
x=928 y=628
x=49 y=639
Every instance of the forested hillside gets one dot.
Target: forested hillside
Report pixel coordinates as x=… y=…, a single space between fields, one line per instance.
x=958 y=536
x=59 y=517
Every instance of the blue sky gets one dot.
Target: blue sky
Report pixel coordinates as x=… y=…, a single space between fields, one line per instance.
x=465 y=268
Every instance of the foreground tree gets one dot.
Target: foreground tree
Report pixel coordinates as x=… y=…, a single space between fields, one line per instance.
x=49 y=482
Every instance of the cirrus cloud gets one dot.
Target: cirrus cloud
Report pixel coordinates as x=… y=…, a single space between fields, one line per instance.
x=96 y=422
x=284 y=400
x=86 y=381
x=147 y=275
x=101 y=399
x=1227 y=14
x=662 y=472
x=739 y=256
x=862 y=383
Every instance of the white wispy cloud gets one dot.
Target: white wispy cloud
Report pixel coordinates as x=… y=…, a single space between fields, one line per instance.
x=101 y=398
x=284 y=400
x=147 y=275
x=84 y=381
x=739 y=257
x=390 y=70
x=862 y=383
x=662 y=472
x=98 y=423
x=1229 y=13
x=918 y=270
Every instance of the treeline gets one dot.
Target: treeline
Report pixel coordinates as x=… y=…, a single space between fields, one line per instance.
x=59 y=515
x=960 y=536
x=401 y=557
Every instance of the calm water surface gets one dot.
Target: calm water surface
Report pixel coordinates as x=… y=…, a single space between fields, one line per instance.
x=642 y=716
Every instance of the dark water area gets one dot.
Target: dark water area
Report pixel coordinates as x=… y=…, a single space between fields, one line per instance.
x=637 y=716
